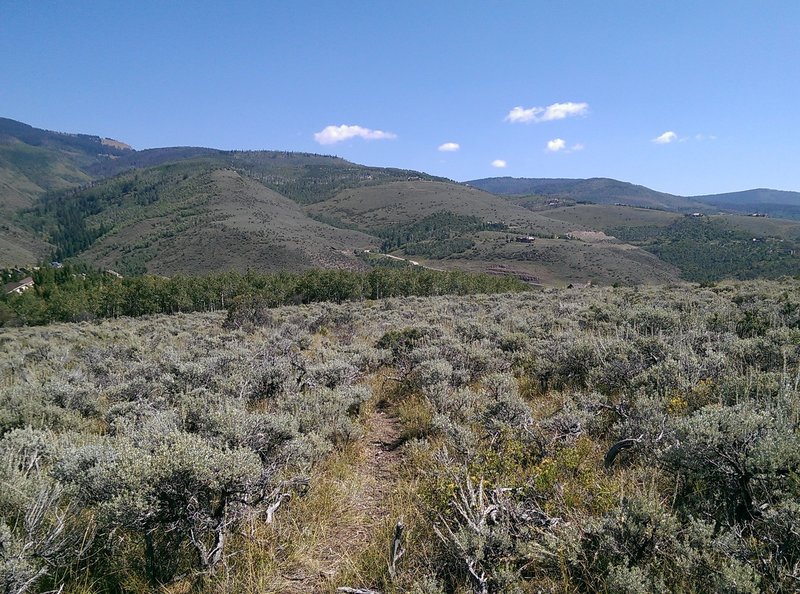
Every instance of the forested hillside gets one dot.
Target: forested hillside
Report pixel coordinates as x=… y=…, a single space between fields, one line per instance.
x=33 y=161
x=704 y=248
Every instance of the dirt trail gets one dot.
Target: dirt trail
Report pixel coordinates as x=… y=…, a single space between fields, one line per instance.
x=382 y=456
x=412 y=262
x=376 y=472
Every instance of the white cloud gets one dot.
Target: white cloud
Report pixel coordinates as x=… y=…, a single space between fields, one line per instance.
x=560 y=145
x=334 y=134
x=449 y=147
x=702 y=137
x=666 y=137
x=499 y=163
x=556 y=111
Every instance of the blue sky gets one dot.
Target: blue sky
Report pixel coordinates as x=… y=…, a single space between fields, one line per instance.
x=596 y=83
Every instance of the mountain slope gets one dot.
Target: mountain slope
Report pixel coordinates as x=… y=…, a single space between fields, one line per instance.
x=196 y=216
x=377 y=207
x=757 y=196
x=190 y=217
x=240 y=225
x=775 y=203
x=555 y=256
x=21 y=247
x=34 y=161
x=598 y=190
x=704 y=248
x=64 y=192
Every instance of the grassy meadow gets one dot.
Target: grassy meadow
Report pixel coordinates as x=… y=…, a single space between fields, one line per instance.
x=563 y=440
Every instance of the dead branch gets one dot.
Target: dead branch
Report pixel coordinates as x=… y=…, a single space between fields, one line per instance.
x=273 y=507
x=615 y=449
x=397 y=547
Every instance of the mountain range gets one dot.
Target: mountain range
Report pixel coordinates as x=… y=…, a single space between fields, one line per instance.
x=601 y=190
x=188 y=210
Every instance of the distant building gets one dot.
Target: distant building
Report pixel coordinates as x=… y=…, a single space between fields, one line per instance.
x=19 y=286
x=525 y=239
x=56 y=265
x=113 y=273
x=698 y=215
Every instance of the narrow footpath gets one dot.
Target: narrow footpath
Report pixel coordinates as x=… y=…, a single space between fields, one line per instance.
x=365 y=493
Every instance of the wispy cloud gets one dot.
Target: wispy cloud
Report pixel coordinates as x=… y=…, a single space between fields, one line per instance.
x=577 y=147
x=334 y=134
x=666 y=137
x=556 y=111
x=499 y=163
x=449 y=147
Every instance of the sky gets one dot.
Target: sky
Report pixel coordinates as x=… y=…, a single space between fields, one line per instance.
x=681 y=96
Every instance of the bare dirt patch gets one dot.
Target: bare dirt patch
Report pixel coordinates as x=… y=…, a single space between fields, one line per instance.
x=590 y=236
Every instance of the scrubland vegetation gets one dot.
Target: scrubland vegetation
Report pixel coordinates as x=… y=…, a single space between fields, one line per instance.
x=601 y=440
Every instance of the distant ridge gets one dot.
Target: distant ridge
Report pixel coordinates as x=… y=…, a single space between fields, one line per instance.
x=775 y=203
x=598 y=190
x=757 y=196
x=35 y=161
x=601 y=190
x=13 y=130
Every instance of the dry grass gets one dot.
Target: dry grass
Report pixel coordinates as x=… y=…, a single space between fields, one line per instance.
x=303 y=548
x=328 y=537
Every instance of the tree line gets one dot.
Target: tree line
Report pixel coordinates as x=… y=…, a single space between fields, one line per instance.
x=77 y=294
